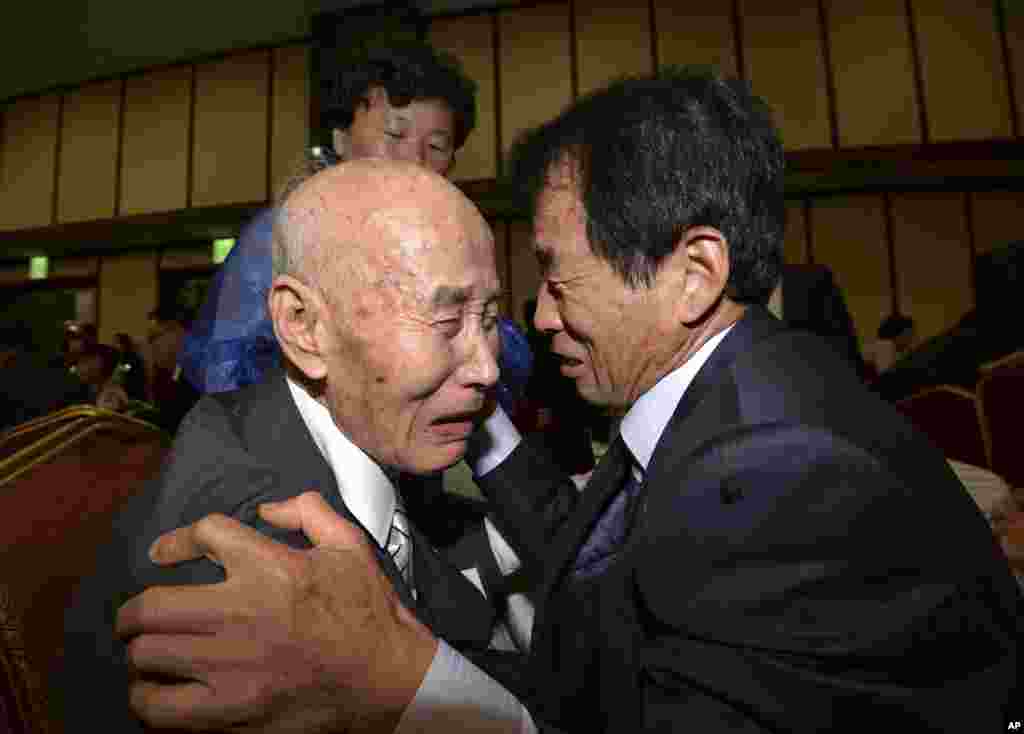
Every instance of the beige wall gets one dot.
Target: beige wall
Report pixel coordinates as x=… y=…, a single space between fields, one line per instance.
x=127 y=293
x=228 y=131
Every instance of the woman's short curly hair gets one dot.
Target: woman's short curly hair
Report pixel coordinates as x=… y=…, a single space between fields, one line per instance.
x=408 y=71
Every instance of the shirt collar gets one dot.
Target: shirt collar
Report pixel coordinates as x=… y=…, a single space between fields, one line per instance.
x=647 y=418
x=365 y=488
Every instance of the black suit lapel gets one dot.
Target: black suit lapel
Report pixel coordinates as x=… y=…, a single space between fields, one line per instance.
x=274 y=431
x=679 y=438
x=696 y=416
x=602 y=487
x=447 y=602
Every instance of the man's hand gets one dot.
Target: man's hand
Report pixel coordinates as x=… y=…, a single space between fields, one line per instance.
x=293 y=640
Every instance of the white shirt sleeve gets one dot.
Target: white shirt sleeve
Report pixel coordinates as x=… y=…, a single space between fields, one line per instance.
x=500 y=438
x=456 y=695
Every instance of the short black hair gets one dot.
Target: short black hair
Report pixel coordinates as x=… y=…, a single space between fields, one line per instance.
x=656 y=155
x=895 y=324
x=408 y=71
x=17 y=335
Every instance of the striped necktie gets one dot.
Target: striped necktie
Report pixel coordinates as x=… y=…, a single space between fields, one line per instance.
x=399 y=545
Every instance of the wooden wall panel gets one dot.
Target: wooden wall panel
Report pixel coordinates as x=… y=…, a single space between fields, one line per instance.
x=128 y=292
x=470 y=38
x=873 y=71
x=88 y=155
x=289 y=121
x=1014 y=16
x=14 y=274
x=795 y=246
x=535 y=68
x=702 y=36
x=849 y=237
x=996 y=219
x=74 y=267
x=523 y=273
x=933 y=260
x=231 y=130
x=613 y=39
x=28 y=159
x=783 y=57
x=964 y=78
x=154 y=154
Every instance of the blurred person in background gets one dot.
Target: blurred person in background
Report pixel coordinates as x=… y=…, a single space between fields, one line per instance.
x=29 y=386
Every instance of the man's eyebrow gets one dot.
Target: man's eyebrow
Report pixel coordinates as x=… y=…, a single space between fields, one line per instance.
x=447 y=295
x=545 y=256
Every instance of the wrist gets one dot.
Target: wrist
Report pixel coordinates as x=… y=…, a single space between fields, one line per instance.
x=403 y=666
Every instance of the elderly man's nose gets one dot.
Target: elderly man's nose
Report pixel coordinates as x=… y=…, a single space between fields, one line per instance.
x=481 y=367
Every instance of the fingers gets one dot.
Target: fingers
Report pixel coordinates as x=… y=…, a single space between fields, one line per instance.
x=179 y=706
x=222 y=539
x=195 y=657
x=310 y=513
x=178 y=610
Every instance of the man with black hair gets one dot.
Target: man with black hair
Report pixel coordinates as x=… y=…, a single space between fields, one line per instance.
x=749 y=556
x=895 y=339
x=29 y=387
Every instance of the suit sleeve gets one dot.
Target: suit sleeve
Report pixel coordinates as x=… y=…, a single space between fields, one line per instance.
x=776 y=597
x=531 y=498
x=196 y=479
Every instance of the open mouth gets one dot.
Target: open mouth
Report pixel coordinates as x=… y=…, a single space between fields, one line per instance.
x=461 y=417
x=456 y=425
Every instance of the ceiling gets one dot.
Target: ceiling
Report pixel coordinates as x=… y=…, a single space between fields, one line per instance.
x=56 y=43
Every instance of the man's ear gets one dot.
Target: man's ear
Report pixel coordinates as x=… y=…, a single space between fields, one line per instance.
x=299 y=314
x=706 y=271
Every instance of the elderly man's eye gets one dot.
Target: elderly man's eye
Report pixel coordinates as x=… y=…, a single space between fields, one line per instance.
x=450 y=327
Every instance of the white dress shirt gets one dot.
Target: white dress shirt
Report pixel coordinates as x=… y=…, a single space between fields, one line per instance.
x=484 y=703
x=452 y=681
x=365 y=488
x=647 y=418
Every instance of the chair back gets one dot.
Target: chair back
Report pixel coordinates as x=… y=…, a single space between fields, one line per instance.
x=1001 y=398
x=950 y=417
x=62 y=479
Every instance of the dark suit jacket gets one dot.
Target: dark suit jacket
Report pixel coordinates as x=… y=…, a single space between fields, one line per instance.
x=801 y=561
x=234 y=451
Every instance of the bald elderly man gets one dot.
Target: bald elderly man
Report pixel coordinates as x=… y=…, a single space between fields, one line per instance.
x=385 y=304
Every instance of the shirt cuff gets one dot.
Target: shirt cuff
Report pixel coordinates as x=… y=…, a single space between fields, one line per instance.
x=456 y=695
x=499 y=439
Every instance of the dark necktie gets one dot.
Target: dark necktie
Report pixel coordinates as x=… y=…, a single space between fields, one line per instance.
x=609 y=532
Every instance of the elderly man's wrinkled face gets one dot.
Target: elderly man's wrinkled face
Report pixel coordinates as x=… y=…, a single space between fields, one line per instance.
x=414 y=339
x=422 y=132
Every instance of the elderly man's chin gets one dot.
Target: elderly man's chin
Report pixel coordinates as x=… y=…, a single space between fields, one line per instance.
x=441 y=448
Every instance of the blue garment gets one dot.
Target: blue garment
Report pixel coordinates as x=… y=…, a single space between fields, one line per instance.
x=231 y=342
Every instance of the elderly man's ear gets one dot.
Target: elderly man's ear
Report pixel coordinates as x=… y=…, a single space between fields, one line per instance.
x=299 y=314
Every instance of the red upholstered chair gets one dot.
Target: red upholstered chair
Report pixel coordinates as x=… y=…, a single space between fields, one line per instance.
x=1001 y=398
x=949 y=416
x=1009 y=361
x=62 y=478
